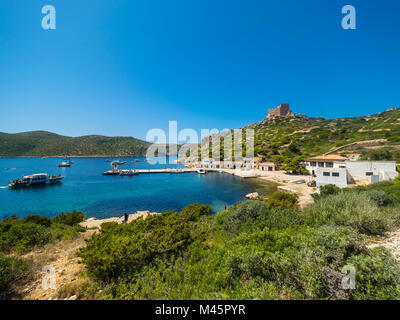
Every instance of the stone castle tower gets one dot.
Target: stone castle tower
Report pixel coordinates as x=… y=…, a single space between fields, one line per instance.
x=282 y=110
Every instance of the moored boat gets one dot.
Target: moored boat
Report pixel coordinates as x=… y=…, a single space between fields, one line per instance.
x=55 y=178
x=118 y=162
x=64 y=164
x=201 y=171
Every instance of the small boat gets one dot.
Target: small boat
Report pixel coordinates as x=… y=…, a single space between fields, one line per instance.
x=118 y=162
x=111 y=173
x=66 y=157
x=129 y=172
x=137 y=160
x=201 y=171
x=55 y=178
x=64 y=164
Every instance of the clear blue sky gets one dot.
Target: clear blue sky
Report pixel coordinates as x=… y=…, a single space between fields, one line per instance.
x=122 y=67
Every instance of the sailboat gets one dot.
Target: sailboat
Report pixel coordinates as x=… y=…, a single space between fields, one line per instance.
x=66 y=158
x=67 y=162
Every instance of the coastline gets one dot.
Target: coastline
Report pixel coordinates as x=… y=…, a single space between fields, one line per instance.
x=94 y=223
x=84 y=156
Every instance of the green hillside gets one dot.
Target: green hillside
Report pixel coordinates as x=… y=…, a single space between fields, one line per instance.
x=376 y=136
x=43 y=143
x=301 y=135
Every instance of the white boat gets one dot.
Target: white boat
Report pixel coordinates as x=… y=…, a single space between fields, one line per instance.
x=64 y=164
x=35 y=179
x=201 y=171
x=55 y=178
x=129 y=172
x=118 y=162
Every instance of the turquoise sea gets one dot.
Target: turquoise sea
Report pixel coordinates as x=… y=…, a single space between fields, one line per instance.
x=85 y=188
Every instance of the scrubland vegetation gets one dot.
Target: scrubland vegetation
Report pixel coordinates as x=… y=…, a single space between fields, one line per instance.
x=18 y=236
x=257 y=249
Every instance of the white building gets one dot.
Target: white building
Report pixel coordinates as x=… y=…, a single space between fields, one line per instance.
x=356 y=172
x=268 y=166
x=328 y=161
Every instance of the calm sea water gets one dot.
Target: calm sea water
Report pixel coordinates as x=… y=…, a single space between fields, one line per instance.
x=85 y=188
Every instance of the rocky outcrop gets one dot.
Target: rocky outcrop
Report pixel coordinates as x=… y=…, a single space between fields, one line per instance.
x=253 y=196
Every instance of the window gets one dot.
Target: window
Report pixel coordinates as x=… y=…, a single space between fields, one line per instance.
x=329 y=164
x=327 y=174
x=321 y=164
x=313 y=164
x=335 y=174
x=369 y=173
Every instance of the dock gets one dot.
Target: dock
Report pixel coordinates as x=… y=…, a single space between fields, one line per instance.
x=235 y=172
x=169 y=170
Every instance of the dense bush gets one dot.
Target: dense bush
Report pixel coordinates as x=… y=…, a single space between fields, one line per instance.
x=327 y=190
x=379 y=197
x=70 y=219
x=11 y=270
x=255 y=215
x=281 y=199
x=251 y=252
x=43 y=221
x=377 y=275
x=22 y=236
x=349 y=209
x=294 y=263
x=242 y=215
x=35 y=230
x=125 y=249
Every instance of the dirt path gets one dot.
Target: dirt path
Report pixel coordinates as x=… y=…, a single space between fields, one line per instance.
x=391 y=241
x=61 y=256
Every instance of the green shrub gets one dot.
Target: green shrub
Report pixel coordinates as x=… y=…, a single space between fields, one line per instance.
x=349 y=209
x=239 y=215
x=23 y=236
x=125 y=249
x=377 y=275
x=65 y=232
x=327 y=190
x=281 y=199
x=11 y=270
x=70 y=219
x=43 y=221
x=379 y=197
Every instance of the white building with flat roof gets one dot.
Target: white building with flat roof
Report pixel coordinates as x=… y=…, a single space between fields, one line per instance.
x=325 y=161
x=356 y=172
x=336 y=176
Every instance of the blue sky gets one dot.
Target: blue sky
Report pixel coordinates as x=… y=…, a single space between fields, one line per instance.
x=122 y=67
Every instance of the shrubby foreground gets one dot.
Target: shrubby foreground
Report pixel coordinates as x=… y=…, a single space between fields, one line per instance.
x=257 y=249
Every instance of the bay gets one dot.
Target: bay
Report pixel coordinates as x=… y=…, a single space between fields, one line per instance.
x=85 y=188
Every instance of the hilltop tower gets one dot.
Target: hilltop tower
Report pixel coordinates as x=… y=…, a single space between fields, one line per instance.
x=282 y=110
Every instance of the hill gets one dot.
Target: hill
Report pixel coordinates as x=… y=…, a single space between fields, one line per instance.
x=375 y=136
x=43 y=143
x=292 y=137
